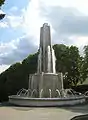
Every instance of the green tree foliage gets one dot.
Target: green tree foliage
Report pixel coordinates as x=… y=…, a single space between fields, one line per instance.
x=2 y=15
x=67 y=62
x=61 y=53
x=84 y=65
x=1 y=2
x=73 y=75
x=16 y=77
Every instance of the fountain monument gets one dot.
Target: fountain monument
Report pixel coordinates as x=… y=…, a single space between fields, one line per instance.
x=46 y=81
x=46 y=86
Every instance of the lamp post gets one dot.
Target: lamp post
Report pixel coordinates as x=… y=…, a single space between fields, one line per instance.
x=2 y=14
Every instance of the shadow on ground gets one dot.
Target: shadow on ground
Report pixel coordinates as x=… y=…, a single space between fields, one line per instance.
x=83 y=109
x=7 y=104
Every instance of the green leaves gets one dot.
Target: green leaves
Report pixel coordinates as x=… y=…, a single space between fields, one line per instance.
x=17 y=76
x=67 y=63
x=2 y=2
x=84 y=66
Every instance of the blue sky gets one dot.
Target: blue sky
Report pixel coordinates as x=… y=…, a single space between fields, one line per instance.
x=12 y=7
x=20 y=29
x=17 y=3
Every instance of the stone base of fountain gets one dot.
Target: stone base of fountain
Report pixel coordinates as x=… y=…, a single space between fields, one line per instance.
x=46 y=85
x=46 y=89
x=26 y=101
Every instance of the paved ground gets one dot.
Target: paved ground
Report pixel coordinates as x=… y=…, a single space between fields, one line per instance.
x=31 y=113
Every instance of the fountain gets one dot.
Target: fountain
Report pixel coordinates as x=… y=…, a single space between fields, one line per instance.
x=46 y=86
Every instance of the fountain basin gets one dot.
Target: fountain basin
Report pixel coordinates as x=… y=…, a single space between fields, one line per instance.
x=26 y=101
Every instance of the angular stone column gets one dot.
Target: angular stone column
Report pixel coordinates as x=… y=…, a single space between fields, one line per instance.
x=45 y=49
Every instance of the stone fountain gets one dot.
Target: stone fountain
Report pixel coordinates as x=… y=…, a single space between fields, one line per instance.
x=46 y=86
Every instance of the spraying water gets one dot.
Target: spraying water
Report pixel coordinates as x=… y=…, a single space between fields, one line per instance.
x=39 y=62
x=53 y=60
x=49 y=60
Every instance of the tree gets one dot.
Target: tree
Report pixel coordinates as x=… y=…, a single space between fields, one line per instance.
x=68 y=63
x=73 y=75
x=61 y=53
x=2 y=14
x=17 y=76
x=84 y=65
x=1 y=2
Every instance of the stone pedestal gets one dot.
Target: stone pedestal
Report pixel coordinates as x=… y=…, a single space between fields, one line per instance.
x=46 y=85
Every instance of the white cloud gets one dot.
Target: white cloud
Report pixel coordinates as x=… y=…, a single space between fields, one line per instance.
x=7 y=47
x=33 y=20
x=16 y=50
x=15 y=21
x=41 y=11
x=14 y=9
x=3 y=24
x=1 y=12
x=80 y=41
x=81 y=5
x=3 y=68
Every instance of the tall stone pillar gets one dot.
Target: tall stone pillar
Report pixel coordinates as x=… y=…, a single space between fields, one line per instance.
x=45 y=50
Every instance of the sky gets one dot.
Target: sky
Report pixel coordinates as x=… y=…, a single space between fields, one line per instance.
x=20 y=29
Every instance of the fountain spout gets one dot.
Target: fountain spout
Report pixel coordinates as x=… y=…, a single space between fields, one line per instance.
x=50 y=93
x=59 y=95
x=53 y=61
x=41 y=93
x=33 y=93
x=49 y=60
